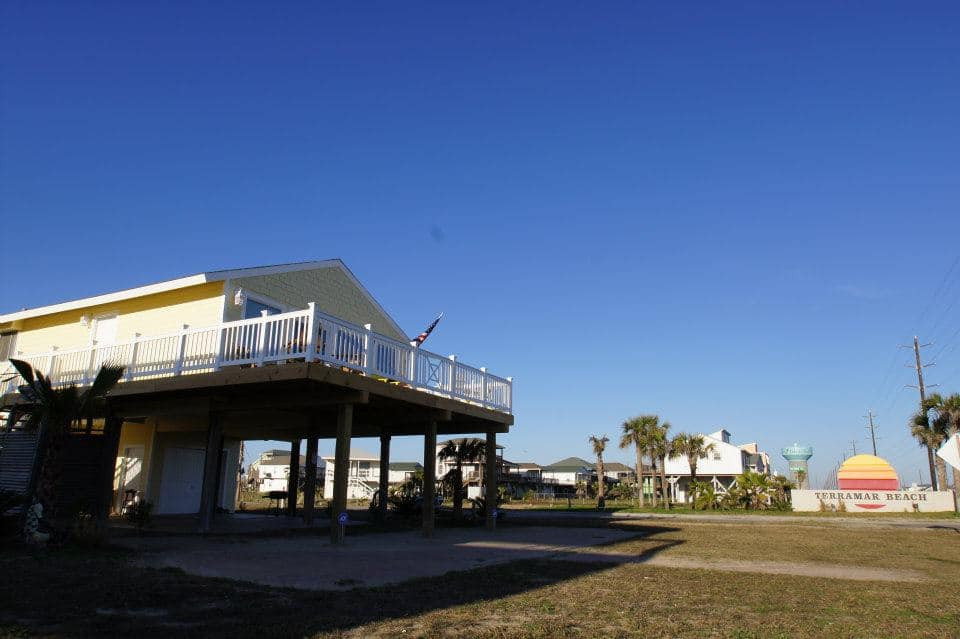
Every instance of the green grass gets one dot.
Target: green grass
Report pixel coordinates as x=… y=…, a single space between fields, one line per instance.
x=68 y=592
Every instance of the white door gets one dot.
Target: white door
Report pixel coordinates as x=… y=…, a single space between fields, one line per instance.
x=105 y=330
x=181 y=480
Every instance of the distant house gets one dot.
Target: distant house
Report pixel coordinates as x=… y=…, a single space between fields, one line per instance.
x=617 y=471
x=569 y=471
x=720 y=467
x=364 y=474
x=472 y=471
x=271 y=470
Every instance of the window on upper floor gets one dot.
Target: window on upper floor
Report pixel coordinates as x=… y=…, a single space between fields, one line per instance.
x=716 y=456
x=254 y=308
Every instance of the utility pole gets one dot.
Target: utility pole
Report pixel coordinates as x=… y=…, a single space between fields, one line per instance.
x=923 y=400
x=873 y=435
x=853 y=442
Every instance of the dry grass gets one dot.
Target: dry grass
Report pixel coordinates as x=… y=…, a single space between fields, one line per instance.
x=86 y=594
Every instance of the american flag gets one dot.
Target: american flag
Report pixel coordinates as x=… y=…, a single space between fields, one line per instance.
x=421 y=338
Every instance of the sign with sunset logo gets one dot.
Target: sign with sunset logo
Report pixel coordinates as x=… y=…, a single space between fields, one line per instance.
x=868 y=483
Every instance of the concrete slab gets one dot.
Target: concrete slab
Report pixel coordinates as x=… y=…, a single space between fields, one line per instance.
x=311 y=562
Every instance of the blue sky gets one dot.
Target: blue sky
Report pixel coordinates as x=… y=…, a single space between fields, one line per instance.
x=728 y=216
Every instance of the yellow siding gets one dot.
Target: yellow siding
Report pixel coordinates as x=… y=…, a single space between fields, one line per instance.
x=331 y=289
x=198 y=306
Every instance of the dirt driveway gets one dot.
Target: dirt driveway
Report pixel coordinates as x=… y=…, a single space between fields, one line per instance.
x=311 y=562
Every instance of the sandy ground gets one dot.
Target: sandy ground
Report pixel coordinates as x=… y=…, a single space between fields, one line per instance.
x=364 y=560
x=312 y=563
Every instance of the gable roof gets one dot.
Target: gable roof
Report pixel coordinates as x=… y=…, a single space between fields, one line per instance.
x=570 y=464
x=197 y=279
x=406 y=466
x=617 y=467
x=356 y=453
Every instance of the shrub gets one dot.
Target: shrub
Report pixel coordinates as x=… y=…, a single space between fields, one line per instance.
x=138 y=514
x=86 y=531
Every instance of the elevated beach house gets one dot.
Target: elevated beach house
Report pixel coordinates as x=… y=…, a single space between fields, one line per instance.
x=285 y=352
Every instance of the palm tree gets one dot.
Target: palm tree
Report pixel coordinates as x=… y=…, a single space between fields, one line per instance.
x=659 y=449
x=55 y=412
x=636 y=432
x=945 y=424
x=801 y=475
x=462 y=450
x=599 y=444
x=931 y=433
x=694 y=448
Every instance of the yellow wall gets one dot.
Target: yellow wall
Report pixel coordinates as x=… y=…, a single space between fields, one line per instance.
x=331 y=289
x=156 y=314
x=134 y=435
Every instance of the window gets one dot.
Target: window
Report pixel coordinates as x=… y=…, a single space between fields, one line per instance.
x=253 y=308
x=716 y=456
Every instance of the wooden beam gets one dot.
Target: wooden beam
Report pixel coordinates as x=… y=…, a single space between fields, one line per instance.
x=108 y=463
x=293 y=478
x=384 y=477
x=490 y=480
x=429 y=477
x=341 y=470
x=310 y=480
x=211 y=462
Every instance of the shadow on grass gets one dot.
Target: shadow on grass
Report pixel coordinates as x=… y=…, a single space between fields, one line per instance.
x=100 y=592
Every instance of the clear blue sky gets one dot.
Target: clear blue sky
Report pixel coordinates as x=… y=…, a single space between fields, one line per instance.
x=728 y=216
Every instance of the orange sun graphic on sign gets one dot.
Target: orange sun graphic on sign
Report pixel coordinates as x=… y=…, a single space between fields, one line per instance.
x=867 y=472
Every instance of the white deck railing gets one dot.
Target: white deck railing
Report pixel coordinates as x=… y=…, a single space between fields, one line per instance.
x=299 y=335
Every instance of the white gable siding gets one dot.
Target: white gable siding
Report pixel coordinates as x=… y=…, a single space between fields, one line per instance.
x=334 y=292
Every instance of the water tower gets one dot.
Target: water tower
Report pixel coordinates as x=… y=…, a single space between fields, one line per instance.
x=797 y=457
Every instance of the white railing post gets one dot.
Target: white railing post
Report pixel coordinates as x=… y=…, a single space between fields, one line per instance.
x=509 y=399
x=368 y=349
x=51 y=367
x=413 y=364
x=181 y=350
x=483 y=386
x=311 y=354
x=221 y=338
x=453 y=375
x=262 y=337
x=132 y=365
x=90 y=361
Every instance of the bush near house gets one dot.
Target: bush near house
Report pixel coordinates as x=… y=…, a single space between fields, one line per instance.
x=750 y=491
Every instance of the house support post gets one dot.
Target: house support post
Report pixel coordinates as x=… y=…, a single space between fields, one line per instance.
x=384 y=477
x=310 y=480
x=293 y=478
x=211 y=465
x=341 y=470
x=108 y=465
x=429 y=476
x=490 y=480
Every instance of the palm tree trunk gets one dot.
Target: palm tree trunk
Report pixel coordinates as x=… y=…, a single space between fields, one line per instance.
x=458 y=492
x=930 y=458
x=653 y=478
x=941 y=475
x=663 y=482
x=693 y=478
x=641 y=498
